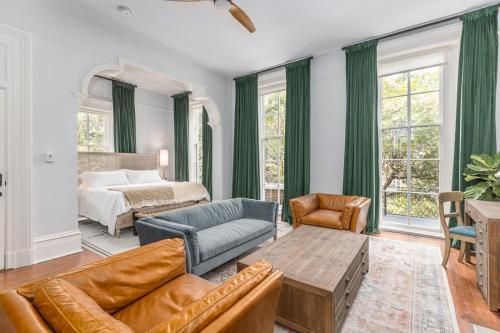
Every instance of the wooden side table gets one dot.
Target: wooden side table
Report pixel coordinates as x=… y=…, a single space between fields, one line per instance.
x=486 y=215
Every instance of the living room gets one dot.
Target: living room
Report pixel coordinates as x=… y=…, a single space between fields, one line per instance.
x=332 y=166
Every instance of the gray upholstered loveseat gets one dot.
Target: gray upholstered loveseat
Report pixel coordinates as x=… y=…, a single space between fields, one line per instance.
x=214 y=233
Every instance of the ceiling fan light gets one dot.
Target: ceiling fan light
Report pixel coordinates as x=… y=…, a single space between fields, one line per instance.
x=222 y=4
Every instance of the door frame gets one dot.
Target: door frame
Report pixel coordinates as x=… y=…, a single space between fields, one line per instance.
x=18 y=231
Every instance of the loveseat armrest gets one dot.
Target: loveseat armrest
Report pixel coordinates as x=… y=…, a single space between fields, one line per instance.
x=152 y=230
x=302 y=206
x=355 y=214
x=260 y=210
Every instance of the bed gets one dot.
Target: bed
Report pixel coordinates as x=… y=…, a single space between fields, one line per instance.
x=105 y=196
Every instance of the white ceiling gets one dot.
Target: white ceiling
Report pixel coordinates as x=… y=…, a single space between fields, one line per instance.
x=286 y=29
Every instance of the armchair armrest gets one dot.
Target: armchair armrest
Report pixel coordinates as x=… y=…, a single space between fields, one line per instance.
x=151 y=230
x=302 y=206
x=355 y=214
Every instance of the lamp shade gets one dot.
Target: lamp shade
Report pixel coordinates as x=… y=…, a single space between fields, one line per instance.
x=163 y=157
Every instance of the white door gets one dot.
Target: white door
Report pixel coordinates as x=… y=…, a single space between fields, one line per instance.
x=2 y=167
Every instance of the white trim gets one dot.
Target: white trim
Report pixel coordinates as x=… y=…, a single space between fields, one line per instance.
x=19 y=151
x=56 y=245
x=411 y=231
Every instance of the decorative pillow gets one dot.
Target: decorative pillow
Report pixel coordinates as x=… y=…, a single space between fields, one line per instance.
x=143 y=176
x=68 y=309
x=104 y=178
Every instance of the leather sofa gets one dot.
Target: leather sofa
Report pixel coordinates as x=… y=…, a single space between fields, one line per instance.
x=215 y=232
x=143 y=290
x=343 y=212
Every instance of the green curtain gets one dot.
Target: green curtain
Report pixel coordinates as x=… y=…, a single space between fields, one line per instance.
x=246 y=174
x=124 y=117
x=361 y=166
x=297 y=133
x=206 y=168
x=475 y=129
x=181 y=136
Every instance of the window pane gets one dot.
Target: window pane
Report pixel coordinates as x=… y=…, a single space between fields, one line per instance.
x=270 y=124
x=424 y=206
x=271 y=149
x=271 y=103
x=395 y=203
x=394 y=175
x=395 y=143
x=282 y=172
x=395 y=85
x=282 y=112
x=425 y=108
x=394 y=112
x=82 y=131
x=425 y=176
x=425 y=142
x=426 y=79
x=97 y=132
x=270 y=172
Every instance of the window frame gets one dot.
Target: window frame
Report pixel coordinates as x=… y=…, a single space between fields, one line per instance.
x=409 y=127
x=109 y=132
x=195 y=132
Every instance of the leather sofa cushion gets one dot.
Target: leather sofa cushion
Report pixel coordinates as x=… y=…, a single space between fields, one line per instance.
x=68 y=309
x=201 y=313
x=207 y=216
x=224 y=237
x=17 y=314
x=334 y=202
x=162 y=303
x=119 y=280
x=324 y=218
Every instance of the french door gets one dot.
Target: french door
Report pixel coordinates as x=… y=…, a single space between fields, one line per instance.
x=410 y=116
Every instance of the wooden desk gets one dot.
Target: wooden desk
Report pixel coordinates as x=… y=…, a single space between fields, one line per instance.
x=486 y=214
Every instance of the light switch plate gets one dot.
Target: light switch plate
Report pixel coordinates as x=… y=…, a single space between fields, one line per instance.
x=49 y=157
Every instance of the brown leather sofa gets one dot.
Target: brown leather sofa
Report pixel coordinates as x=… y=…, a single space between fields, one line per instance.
x=143 y=290
x=344 y=212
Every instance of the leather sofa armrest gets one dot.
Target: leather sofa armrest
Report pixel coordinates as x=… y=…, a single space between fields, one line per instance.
x=357 y=210
x=302 y=206
x=152 y=230
x=17 y=314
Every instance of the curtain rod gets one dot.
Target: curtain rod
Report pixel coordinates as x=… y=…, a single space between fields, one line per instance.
x=182 y=92
x=422 y=26
x=110 y=79
x=273 y=67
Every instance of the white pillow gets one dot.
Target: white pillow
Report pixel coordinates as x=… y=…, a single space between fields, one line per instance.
x=143 y=176
x=104 y=178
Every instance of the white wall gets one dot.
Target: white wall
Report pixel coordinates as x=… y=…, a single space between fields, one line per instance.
x=65 y=48
x=154 y=119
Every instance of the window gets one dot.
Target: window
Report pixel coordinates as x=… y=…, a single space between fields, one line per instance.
x=273 y=105
x=195 y=135
x=410 y=116
x=95 y=131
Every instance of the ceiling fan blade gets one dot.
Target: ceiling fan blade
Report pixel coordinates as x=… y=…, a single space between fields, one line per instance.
x=241 y=17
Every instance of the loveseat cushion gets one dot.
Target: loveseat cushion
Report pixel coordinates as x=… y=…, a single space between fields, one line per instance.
x=164 y=302
x=68 y=309
x=207 y=216
x=198 y=315
x=324 y=218
x=221 y=238
x=119 y=280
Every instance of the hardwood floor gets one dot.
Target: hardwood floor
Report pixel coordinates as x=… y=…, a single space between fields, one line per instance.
x=470 y=306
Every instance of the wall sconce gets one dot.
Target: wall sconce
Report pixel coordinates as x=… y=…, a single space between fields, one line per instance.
x=163 y=161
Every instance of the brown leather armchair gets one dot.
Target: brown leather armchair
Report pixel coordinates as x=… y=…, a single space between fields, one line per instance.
x=143 y=290
x=344 y=212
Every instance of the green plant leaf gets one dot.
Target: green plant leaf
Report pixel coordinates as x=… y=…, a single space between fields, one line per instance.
x=478 y=168
x=497 y=161
x=483 y=160
x=469 y=178
x=476 y=191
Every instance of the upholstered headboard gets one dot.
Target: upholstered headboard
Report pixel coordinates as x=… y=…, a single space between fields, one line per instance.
x=93 y=161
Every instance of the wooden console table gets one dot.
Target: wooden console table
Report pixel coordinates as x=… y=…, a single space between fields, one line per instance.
x=486 y=214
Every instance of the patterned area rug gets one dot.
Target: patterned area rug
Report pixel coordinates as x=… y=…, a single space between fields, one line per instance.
x=406 y=289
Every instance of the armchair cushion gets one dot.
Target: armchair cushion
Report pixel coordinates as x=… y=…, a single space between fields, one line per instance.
x=324 y=218
x=222 y=238
x=201 y=313
x=68 y=309
x=119 y=280
x=336 y=202
x=162 y=303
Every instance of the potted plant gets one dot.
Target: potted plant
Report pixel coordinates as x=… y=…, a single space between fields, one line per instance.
x=484 y=176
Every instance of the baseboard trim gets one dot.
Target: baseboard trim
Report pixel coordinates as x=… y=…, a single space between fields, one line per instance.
x=19 y=258
x=56 y=245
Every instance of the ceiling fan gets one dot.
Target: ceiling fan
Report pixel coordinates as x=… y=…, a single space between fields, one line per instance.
x=236 y=11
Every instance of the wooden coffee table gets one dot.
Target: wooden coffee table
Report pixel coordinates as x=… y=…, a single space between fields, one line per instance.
x=323 y=269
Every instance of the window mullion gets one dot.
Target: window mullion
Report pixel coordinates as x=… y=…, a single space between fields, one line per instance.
x=408 y=148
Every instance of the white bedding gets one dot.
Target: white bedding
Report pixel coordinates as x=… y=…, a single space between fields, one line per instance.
x=103 y=206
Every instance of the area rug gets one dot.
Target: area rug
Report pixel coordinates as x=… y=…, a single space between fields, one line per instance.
x=406 y=289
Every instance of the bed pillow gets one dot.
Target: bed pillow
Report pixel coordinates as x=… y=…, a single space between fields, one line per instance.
x=143 y=176
x=104 y=178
